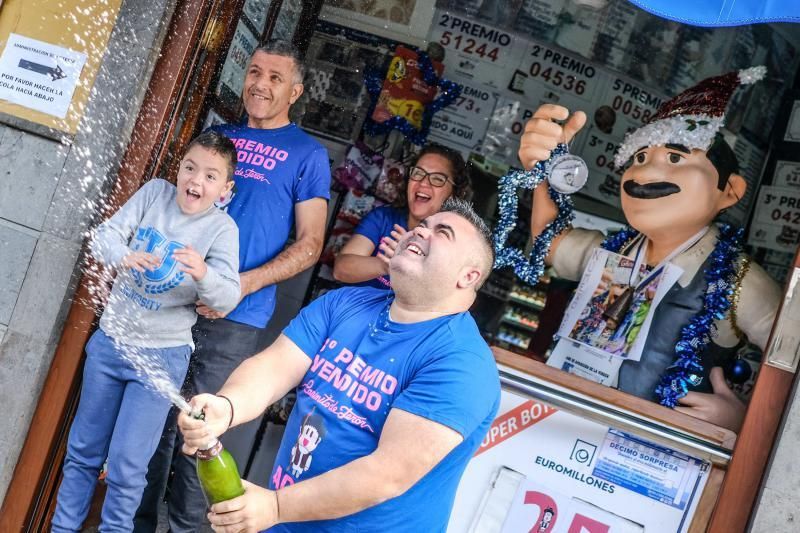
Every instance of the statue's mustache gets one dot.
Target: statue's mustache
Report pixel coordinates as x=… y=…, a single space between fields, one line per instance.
x=649 y=191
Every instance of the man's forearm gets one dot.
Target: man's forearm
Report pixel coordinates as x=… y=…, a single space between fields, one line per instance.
x=297 y=257
x=351 y=488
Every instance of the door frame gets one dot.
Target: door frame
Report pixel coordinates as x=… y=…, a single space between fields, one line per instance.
x=757 y=438
x=32 y=489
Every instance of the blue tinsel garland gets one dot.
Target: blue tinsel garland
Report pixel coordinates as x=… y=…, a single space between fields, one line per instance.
x=687 y=369
x=449 y=91
x=528 y=269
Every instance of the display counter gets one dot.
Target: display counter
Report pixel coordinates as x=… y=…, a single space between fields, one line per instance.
x=566 y=454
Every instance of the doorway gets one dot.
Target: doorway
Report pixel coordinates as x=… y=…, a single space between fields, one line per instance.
x=193 y=85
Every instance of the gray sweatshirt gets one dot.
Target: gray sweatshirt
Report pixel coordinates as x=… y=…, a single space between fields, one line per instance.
x=156 y=308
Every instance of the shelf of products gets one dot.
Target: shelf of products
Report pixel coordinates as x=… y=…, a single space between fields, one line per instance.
x=521 y=318
x=495 y=291
x=513 y=338
x=518 y=319
x=530 y=304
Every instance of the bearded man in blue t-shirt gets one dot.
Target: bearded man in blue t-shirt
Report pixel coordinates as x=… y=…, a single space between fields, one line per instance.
x=282 y=180
x=395 y=391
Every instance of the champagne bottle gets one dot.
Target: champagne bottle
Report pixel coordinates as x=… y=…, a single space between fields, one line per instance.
x=218 y=473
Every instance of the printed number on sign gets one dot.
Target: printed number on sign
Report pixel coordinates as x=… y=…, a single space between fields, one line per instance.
x=605 y=162
x=469 y=37
x=467 y=104
x=558 y=78
x=792 y=217
x=468 y=46
x=548 y=516
x=629 y=108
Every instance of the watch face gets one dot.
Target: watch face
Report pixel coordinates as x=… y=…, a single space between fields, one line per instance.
x=568 y=174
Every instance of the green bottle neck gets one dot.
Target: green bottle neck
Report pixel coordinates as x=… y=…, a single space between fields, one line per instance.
x=214 y=448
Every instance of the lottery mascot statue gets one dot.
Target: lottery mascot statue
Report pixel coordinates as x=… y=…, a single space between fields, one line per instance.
x=680 y=174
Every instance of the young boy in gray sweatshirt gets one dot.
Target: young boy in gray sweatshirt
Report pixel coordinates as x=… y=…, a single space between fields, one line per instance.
x=170 y=247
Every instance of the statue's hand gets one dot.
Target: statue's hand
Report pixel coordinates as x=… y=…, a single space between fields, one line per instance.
x=542 y=135
x=722 y=407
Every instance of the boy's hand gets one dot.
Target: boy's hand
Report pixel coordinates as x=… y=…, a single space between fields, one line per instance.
x=141 y=261
x=193 y=263
x=198 y=433
x=205 y=311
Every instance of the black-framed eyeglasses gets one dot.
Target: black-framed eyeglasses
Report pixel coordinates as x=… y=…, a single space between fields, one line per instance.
x=437 y=179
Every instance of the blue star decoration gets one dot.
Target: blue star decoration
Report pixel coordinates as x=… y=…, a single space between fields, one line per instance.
x=448 y=92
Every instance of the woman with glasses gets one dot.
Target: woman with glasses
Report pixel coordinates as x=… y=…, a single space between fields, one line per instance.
x=436 y=174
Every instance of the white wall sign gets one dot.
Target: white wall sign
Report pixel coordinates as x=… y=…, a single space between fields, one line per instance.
x=625 y=105
x=561 y=71
x=406 y=21
x=615 y=33
x=39 y=75
x=256 y=12
x=751 y=161
x=505 y=129
x=604 y=178
x=776 y=223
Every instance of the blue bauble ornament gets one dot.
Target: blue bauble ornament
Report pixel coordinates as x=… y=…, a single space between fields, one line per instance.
x=738 y=371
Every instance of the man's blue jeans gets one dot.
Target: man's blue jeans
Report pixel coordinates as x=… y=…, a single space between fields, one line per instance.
x=120 y=418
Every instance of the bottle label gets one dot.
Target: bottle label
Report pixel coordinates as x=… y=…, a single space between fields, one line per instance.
x=210 y=452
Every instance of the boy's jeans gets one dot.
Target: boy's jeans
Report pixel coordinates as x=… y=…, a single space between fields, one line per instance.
x=120 y=418
x=221 y=346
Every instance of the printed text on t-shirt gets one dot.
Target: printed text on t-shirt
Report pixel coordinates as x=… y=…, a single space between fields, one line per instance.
x=258 y=155
x=364 y=384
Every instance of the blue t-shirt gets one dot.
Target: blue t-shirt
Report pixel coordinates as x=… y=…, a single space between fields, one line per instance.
x=363 y=365
x=277 y=169
x=377 y=224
